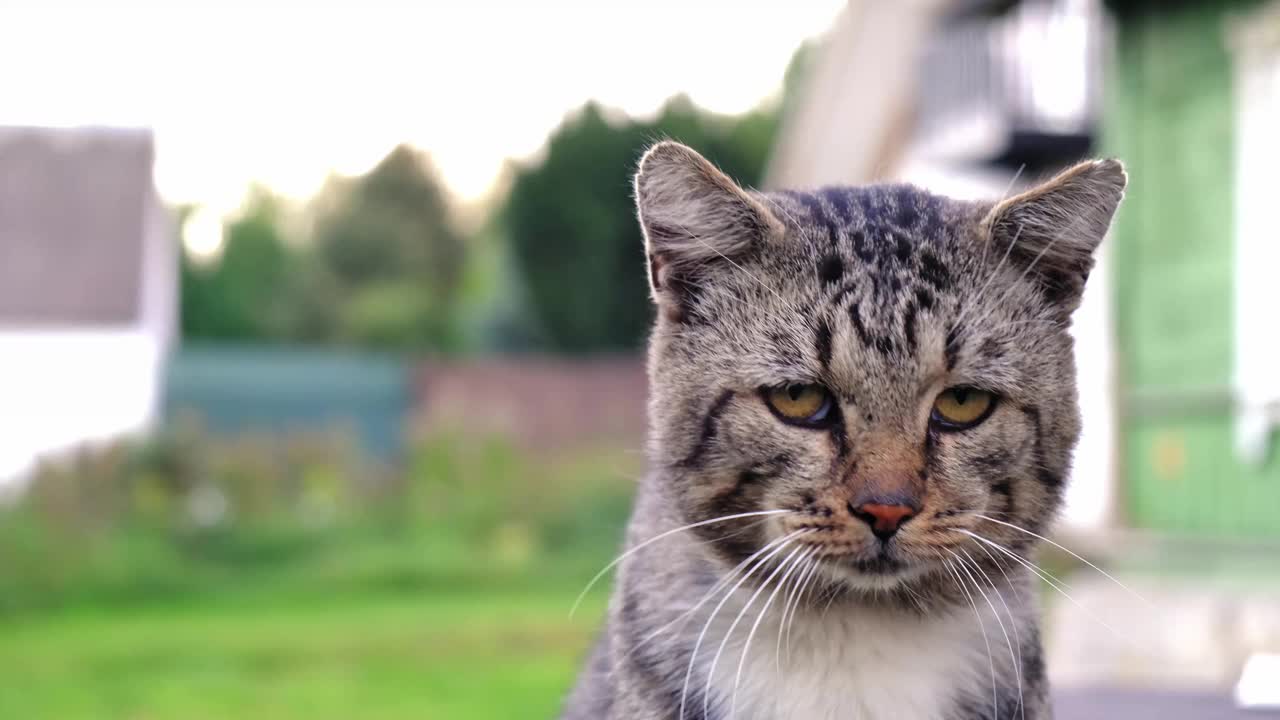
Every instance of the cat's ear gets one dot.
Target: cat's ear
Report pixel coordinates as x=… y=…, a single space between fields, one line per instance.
x=1052 y=230
x=694 y=219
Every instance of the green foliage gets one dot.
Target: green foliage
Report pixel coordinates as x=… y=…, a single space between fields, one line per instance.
x=379 y=268
x=326 y=588
x=373 y=653
x=393 y=314
x=189 y=515
x=238 y=297
x=571 y=221
x=390 y=222
x=389 y=243
x=494 y=313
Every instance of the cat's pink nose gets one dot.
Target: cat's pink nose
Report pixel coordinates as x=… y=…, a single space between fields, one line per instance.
x=884 y=520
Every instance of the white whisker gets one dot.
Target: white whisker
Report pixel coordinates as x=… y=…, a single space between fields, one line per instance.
x=724 y=642
x=685 y=616
x=790 y=605
x=995 y=704
x=746 y=647
x=655 y=539
x=1126 y=588
x=1022 y=710
x=810 y=581
x=794 y=584
x=1013 y=657
x=1039 y=571
x=1054 y=583
x=779 y=545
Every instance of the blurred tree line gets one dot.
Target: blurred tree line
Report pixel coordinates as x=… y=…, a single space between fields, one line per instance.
x=378 y=266
x=378 y=261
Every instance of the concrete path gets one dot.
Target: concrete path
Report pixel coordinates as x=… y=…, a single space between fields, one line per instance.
x=1191 y=635
x=1144 y=705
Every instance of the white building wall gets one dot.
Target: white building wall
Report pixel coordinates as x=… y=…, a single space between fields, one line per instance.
x=1256 y=376
x=61 y=389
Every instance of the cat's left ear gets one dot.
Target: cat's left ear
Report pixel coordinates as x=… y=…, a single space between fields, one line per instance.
x=1052 y=230
x=696 y=221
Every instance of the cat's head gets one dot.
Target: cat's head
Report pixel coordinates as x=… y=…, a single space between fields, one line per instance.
x=891 y=367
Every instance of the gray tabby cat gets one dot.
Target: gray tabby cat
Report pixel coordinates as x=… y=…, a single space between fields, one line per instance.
x=863 y=411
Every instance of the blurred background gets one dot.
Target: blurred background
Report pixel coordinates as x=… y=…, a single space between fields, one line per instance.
x=321 y=385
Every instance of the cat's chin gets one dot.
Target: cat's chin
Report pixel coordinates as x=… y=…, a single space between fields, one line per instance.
x=879 y=572
x=879 y=566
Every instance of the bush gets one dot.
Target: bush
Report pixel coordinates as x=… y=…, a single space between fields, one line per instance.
x=189 y=514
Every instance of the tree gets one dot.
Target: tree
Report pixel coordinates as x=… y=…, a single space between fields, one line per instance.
x=237 y=297
x=381 y=267
x=390 y=248
x=571 y=221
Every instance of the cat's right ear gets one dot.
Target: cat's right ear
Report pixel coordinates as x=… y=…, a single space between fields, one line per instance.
x=694 y=219
x=1053 y=229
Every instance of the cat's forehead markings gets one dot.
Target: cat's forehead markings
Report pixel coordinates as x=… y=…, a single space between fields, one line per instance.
x=841 y=201
x=924 y=299
x=880 y=257
x=817 y=214
x=951 y=351
x=830 y=269
x=877 y=222
x=838 y=299
x=909 y=326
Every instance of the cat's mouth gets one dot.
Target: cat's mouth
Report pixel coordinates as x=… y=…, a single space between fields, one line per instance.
x=880 y=564
x=855 y=552
x=877 y=570
x=873 y=564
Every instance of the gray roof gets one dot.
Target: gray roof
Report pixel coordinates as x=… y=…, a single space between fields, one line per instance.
x=74 y=209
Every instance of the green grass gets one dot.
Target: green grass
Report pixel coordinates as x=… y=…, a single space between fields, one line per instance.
x=446 y=654
x=445 y=595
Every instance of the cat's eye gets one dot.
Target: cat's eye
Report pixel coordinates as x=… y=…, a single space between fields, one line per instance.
x=800 y=404
x=960 y=408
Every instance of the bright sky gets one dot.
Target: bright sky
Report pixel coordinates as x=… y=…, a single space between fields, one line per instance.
x=285 y=93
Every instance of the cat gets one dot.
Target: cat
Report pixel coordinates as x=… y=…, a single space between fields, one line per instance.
x=862 y=413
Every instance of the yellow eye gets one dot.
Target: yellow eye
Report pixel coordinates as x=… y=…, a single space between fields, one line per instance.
x=803 y=404
x=959 y=408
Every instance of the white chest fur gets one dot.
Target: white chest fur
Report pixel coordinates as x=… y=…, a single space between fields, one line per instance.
x=853 y=665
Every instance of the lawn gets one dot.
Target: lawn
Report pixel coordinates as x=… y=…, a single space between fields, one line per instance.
x=441 y=592
x=392 y=654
